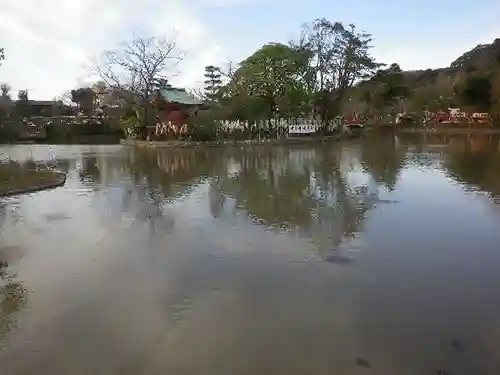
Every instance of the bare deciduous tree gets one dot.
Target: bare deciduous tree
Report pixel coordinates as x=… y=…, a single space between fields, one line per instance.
x=136 y=68
x=5 y=90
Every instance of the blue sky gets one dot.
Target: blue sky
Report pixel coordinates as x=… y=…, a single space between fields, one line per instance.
x=48 y=45
x=435 y=30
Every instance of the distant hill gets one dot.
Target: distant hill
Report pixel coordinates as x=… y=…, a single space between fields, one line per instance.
x=483 y=56
x=471 y=81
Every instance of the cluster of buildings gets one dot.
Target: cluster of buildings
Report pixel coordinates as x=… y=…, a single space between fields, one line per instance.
x=450 y=117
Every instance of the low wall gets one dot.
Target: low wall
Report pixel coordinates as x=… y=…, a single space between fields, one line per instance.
x=229 y=143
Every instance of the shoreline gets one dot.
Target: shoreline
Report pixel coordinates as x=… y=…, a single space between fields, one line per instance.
x=233 y=143
x=56 y=180
x=447 y=131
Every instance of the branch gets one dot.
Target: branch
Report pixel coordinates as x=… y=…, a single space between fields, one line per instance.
x=135 y=66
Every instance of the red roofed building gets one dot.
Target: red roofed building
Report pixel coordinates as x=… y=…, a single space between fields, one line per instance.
x=175 y=107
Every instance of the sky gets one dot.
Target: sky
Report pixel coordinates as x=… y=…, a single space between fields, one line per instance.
x=49 y=43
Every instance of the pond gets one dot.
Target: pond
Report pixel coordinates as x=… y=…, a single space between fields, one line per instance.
x=374 y=256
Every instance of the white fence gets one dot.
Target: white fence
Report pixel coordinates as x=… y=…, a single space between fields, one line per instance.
x=273 y=127
x=289 y=126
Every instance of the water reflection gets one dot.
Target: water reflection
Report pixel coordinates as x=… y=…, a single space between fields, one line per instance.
x=470 y=159
x=370 y=256
x=3 y=213
x=89 y=170
x=170 y=174
x=13 y=296
x=216 y=197
x=300 y=190
x=384 y=159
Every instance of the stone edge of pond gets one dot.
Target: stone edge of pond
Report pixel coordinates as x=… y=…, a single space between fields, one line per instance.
x=229 y=143
x=59 y=180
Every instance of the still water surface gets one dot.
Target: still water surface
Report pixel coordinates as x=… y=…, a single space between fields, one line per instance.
x=379 y=256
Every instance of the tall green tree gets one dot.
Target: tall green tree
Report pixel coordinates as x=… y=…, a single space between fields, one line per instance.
x=476 y=91
x=340 y=57
x=269 y=81
x=213 y=82
x=387 y=88
x=22 y=107
x=2 y=55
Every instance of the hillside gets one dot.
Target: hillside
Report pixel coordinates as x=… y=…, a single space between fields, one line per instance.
x=472 y=81
x=483 y=56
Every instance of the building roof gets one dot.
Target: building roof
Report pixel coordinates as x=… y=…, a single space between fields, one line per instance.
x=177 y=95
x=41 y=103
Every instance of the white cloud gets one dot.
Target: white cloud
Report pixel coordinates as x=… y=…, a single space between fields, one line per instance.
x=47 y=43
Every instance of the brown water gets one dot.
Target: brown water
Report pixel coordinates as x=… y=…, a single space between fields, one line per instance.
x=379 y=256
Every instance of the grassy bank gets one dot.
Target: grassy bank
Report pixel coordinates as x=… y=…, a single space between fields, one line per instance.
x=14 y=179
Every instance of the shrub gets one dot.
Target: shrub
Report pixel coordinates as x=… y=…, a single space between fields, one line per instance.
x=203 y=127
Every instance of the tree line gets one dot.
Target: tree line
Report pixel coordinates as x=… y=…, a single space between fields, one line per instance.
x=330 y=72
x=310 y=76
x=327 y=71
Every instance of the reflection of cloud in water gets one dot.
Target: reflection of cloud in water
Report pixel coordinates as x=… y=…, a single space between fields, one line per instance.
x=3 y=213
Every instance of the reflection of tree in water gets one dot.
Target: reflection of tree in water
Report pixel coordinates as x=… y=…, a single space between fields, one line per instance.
x=12 y=299
x=216 y=197
x=62 y=164
x=174 y=173
x=260 y=185
x=311 y=195
x=477 y=170
x=3 y=213
x=470 y=159
x=383 y=160
x=89 y=171
x=160 y=177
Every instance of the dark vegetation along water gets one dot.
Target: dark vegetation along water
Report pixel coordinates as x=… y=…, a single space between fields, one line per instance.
x=377 y=256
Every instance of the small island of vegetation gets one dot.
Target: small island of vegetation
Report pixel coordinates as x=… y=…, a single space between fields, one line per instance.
x=18 y=179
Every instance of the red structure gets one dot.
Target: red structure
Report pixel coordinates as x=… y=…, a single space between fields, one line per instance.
x=175 y=106
x=173 y=113
x=353 y=119
x=454 y=116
